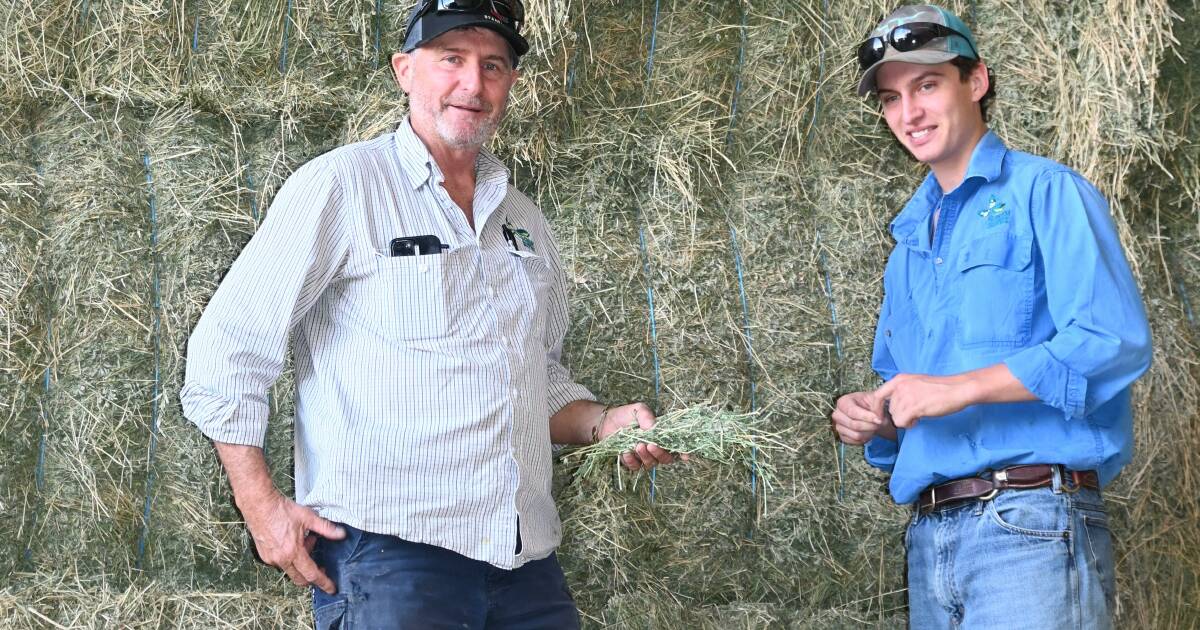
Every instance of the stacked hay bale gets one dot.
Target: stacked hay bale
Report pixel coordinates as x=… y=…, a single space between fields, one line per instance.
x=721 y=200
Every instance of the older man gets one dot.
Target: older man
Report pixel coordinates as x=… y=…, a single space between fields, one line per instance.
x=428 y=308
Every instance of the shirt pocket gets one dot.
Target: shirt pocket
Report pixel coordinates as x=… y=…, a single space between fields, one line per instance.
x=903 y=332
x=996 y=277
x=408 y=295
x=536 y=272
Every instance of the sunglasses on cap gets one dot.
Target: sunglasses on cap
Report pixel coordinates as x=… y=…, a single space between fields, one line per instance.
x=905 y=38
x=510 y=13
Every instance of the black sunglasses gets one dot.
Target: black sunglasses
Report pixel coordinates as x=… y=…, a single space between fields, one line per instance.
x=510 y=13
x=905 y=38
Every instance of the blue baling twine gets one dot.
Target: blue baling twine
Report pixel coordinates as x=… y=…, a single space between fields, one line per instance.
x=812 y=125
x=737 y=255
x=575 y=58
x=154 y=407
x=196 y=34
x=653 y=339
x=283 y=53
x=837 y=347
x=737 y=263
x=837 y=335
x=1187 y=305
x=646 y=254
x=653 y=44
x=39 y=467
x=1183 y=291
x=378 y=33
x=737 y=82
x=253 y=194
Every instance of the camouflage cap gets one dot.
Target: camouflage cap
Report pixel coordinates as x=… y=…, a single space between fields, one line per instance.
x=938 y=50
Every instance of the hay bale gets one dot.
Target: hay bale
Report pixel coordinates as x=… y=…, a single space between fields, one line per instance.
x=22 y=328
x=759 y=184
x=97 y=284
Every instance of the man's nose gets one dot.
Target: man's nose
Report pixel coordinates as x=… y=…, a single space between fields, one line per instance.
x=910 y=109
x=470 y=79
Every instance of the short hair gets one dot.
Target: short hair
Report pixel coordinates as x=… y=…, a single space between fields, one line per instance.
x=965 y=66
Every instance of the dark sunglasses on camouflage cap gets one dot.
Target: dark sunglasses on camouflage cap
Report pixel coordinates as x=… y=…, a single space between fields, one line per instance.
x=923 y=34
x=431 y=18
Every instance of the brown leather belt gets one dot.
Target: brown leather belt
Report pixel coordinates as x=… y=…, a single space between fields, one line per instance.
x=1016 y=477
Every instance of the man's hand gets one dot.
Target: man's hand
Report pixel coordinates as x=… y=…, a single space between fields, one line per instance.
x=284 y=533
x=911 y=397
x=644 y=455
x=859 y=417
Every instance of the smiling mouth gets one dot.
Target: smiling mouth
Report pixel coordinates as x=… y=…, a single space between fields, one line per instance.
x=920 y=133
x=469 y=108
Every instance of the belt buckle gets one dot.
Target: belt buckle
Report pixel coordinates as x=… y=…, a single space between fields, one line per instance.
x=1000 y=476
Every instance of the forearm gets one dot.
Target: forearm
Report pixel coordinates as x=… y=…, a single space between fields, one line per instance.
x=575 y=422
x=993 y=384
x=248 y=474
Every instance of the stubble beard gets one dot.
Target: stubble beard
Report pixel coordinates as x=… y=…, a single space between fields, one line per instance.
x=455 y=136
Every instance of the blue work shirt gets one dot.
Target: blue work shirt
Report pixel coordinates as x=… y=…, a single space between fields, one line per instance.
x=1025 y=268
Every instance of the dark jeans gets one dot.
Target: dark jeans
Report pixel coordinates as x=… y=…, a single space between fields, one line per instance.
x=388 y=582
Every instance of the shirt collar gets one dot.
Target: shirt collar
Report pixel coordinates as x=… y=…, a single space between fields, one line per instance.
x=988 y=158
x=419 y=166
x=987 y=162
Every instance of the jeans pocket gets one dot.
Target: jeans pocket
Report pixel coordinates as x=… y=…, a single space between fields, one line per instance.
x=331 y=616
x=1097 y=539
x=1037 y=514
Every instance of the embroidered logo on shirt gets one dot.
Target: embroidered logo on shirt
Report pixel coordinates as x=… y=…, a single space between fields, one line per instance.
x=523 y=234
x=994 y=212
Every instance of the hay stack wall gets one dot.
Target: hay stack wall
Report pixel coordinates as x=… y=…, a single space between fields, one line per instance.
x=721 y=199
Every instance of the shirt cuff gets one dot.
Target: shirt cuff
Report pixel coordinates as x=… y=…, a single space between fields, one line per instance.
x=881 y=453
x=562 y=394
x=222 y=419
x=1052 y=381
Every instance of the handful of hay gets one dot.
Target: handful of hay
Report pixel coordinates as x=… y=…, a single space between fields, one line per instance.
x=712 y=434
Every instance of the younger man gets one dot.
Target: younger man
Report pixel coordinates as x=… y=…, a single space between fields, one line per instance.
x=1010 y=333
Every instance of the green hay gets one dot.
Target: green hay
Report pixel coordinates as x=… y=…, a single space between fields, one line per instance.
x=730 y=439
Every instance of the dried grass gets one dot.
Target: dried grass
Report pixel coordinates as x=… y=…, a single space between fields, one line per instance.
x=783 y=199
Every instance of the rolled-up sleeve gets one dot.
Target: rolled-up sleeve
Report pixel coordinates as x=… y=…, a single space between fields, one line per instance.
x=1102 y=340
x=238 y=347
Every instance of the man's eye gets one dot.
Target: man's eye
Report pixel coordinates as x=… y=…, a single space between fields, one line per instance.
x=928 y=86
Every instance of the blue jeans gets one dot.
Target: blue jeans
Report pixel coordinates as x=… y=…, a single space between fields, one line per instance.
x=387 y=582
x=1026 y=559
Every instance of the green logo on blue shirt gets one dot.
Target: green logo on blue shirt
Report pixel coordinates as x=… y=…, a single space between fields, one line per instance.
x=994 y=212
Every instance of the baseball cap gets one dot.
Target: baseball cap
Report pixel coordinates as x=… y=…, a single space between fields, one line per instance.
x=937 y=34
x=431 y=18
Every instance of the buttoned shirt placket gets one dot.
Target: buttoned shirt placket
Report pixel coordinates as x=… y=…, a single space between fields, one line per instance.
x=483 y=214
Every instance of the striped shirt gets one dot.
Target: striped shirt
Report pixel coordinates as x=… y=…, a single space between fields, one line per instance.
x=424 y=383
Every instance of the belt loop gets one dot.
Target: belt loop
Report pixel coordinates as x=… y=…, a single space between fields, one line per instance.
x=1056 y=479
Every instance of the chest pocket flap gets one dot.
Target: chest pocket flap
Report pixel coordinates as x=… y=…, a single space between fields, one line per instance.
x=1001 y=249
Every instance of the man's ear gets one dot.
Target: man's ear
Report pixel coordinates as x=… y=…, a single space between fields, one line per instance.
x=402 y=70
x=980 y=81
